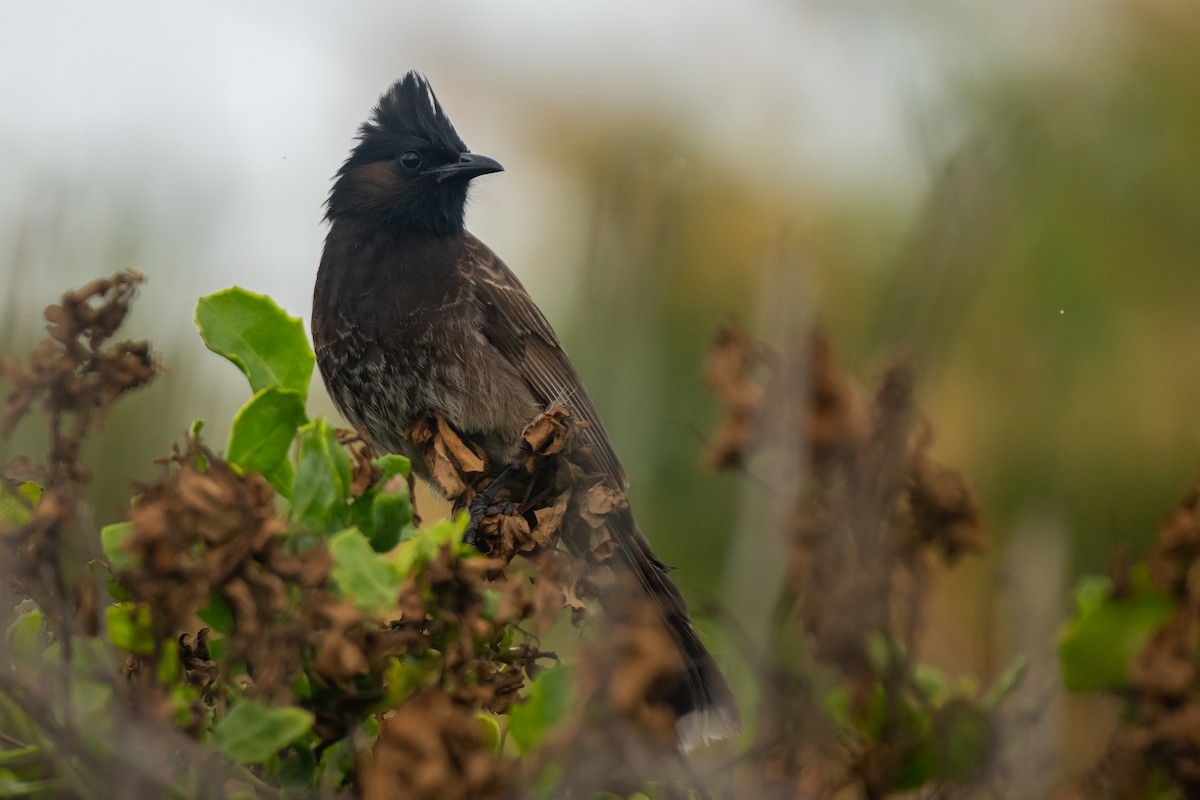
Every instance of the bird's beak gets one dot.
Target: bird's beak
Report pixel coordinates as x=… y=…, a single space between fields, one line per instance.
x=469 y=165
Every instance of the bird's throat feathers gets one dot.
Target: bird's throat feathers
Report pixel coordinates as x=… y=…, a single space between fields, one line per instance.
x=363 y=261
x=375 y=194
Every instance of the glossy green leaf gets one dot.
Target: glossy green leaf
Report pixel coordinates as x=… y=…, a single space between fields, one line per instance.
x=91 y=695
x=217 y=614
x=490 y=729
x=337 y=761
x=322 y=481
x=25 y=634
x=297 y=770
x=183 y=698
x=384 y=512
x=14 y=508
x=404 y=676
x=964 y=735
x=129 y=627
x=932 y=683
x=1009 y=681
x=11 y=785
x=393 y=465
x=417 y=551
x=112 y=540
x=1097 y=646
x=545 y=705
x=265 y=343
x=368 y=579
x=253 y=731
x=21 y=756
x=262 y=434
x=917 y=767
x=169 y=667
x=387 y=518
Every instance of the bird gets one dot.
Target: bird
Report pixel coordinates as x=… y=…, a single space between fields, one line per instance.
x=414 y=316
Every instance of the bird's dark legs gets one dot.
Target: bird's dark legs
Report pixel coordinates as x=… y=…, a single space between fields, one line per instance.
x=484 y=499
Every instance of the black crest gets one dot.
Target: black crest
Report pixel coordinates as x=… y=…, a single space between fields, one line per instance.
x=408 y=115
x=410 y=108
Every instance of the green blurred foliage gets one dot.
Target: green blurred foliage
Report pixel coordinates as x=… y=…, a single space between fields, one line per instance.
x=1047 y=289
x=1070 y=372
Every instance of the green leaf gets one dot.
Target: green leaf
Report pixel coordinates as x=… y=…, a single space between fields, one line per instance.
x=14 y=508
x=21 y=756
x=13 y=786
x=91 y=694
x=322 y=481
x=25 y=634
x=879 y=651
x=385 y=515
x=1090 y=593
x=837 y=707
x=964 y=734
x=491 y=604
x=169 y=666
x=546 y=704
x=419 y=550
x=369 y=579
x=1097 y=646
x=297 y=770
x=217 y=614
x=129 y=627
x=393 y=465
x=337 y=761
x=932 y=683
x=1008 y=682
x=253 y=731
x=183 y=699
x=259 y=337
x=546 y=784
x=918 y=766
x=490 y=729
x=404 y=676
x=262 y=434
x=302 y=687
x=112 y=540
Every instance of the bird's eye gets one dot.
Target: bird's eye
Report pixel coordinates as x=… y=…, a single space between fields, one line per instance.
x=410 y=160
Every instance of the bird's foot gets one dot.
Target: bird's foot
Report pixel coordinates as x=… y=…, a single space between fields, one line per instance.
x=482 y=502
x=503 y=508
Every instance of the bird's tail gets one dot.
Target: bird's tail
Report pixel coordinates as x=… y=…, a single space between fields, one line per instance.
x=704 y=705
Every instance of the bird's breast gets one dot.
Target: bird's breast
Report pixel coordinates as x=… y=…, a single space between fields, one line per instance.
x=399 y=337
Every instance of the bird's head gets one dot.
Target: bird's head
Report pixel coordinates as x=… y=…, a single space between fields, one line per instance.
x=409 y=170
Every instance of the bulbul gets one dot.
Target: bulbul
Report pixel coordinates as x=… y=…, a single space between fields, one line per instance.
x=412 y=316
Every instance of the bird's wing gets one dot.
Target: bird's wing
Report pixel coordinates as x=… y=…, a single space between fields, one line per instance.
x=516 y=327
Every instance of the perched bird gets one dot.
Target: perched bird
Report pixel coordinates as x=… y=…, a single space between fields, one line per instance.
x=413 y=315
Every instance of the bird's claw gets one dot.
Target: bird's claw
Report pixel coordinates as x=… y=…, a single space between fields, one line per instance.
x=478 y=510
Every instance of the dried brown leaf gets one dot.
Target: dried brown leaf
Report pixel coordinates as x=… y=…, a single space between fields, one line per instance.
x=444 y=470
x=463 y=455
x=599 y=501
x=432 y=749
x=553 y=431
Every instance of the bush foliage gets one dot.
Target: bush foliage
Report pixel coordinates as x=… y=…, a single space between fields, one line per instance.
x=277 y=621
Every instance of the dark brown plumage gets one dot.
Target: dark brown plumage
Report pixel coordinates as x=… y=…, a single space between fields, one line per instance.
x=413 y=315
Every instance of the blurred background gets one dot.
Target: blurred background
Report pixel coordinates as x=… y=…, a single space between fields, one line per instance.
x=1008 y=193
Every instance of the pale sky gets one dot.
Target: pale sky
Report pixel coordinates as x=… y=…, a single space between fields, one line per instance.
x=219 y=124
